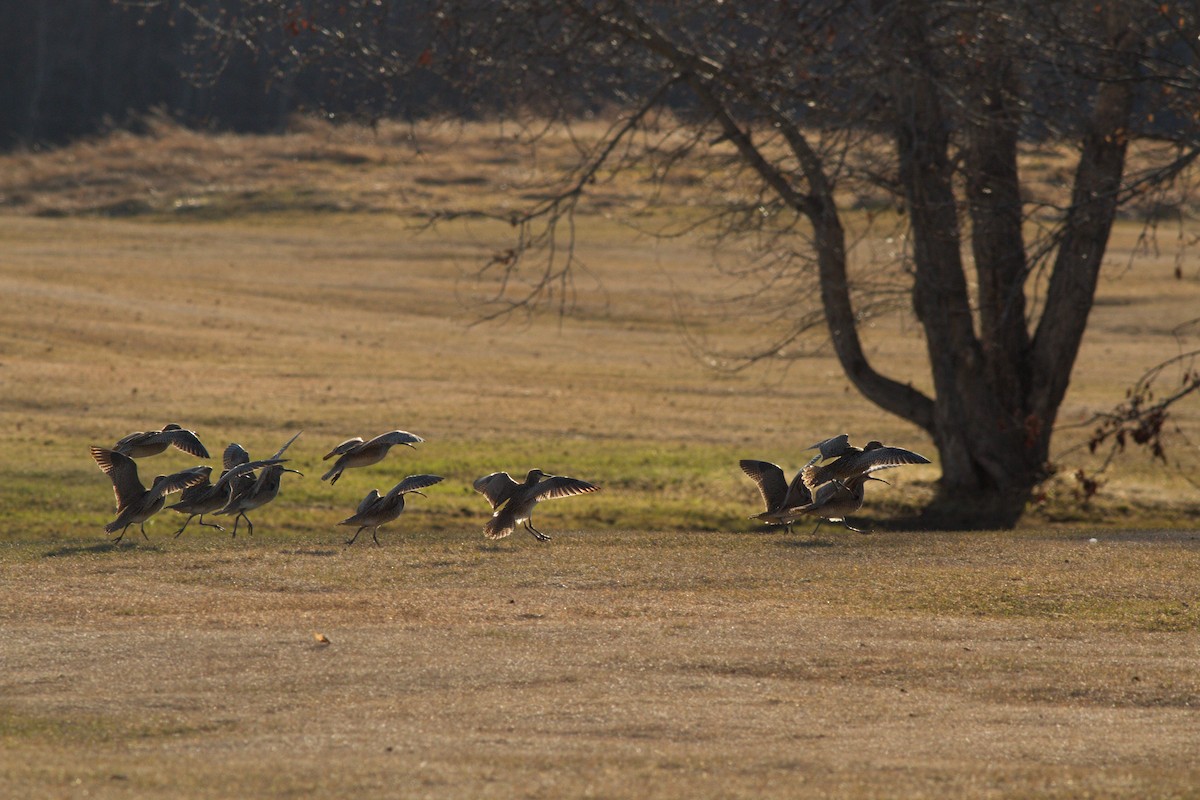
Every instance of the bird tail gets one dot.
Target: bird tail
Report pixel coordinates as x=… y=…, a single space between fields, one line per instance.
x=497 y=527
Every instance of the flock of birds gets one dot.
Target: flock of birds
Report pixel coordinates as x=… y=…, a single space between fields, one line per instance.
x=827 y=491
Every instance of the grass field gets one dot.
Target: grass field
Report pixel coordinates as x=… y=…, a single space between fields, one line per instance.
x=660 y=646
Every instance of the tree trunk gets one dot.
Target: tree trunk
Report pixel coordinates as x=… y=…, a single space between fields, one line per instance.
x=988 y=470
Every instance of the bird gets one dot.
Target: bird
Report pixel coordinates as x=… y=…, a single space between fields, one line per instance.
x=513 y=502
x=834 y=490
x=832 y=501
x=851 y=460
x=357 y=453
x=248 y=494
x=150 y=443
x=772 y=484
x=376 y=510
x=136 y=503
x=207 y=497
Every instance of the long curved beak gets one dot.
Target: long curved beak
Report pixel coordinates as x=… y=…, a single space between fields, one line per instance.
x=289 y=469
x=881 y=480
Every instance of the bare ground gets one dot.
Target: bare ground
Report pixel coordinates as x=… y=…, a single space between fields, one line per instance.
x=614 y=665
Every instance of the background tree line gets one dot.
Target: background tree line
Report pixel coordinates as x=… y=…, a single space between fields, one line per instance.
x=70 y=68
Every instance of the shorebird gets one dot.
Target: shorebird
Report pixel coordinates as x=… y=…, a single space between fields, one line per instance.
x=248 y=494
x=851 y=460
x=136 y=503
x=208 y=498
x=772 y=484
x=834 y=490
x=513 y=502
x=151 y=443
x=376 y=510
x=833 y=501
x=357 y=453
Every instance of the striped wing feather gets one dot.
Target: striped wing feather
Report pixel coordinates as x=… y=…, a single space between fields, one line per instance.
x=558 y=486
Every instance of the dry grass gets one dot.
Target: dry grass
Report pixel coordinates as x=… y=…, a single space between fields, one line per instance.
x=659 y=646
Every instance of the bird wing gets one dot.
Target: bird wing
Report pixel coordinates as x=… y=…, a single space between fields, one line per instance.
x=862 y=463
x=371 y=499
x=286 y=445
x=888 y=457
x=343 y=448
x=396 y=437
x=181 y=480
x=832 y=448
x=414 y=482
x=559 y=486
x=187 y=441
x=123 y=471
x=771 y=482
x=127 y=443
x=496 y=487
x=235 y=455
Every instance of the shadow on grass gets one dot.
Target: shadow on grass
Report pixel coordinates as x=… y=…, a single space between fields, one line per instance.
x=497 y=548
x=103 y=547
x=804 y=544
x=310 y=552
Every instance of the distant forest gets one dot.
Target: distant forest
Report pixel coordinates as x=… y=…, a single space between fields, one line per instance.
x=70 y=68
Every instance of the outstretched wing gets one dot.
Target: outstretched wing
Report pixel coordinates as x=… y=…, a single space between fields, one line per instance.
x=122 y=470
x=496 y=487
x=771 y=482
x=187 y=441
x=414 y=482
x=287 y=444
x=235 y=455
x=558 y=486
x=181 y=480
x=872 y=459
x=396 y=437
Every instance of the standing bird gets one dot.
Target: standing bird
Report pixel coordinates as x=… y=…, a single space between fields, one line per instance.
x=151 y=443
x=853 y=460
x=136 y=503
x=772 y=484
x=513 y=502
x=375 y=510
x=357 y=453
x=250 y=493
x=833 y=501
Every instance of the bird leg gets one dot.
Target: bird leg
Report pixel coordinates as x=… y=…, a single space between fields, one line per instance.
x=376 y=538
x=142 y=528
x=185 y=524
x=121 y=535
x=350 y=541
x=208 y=524
x=541 y=537
x=819 y=523
x=240 y=516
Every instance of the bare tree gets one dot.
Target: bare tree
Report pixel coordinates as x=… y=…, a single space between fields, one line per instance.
x=924 y=103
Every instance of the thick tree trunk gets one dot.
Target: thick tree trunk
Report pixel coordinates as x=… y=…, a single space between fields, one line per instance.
x=988 y=467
